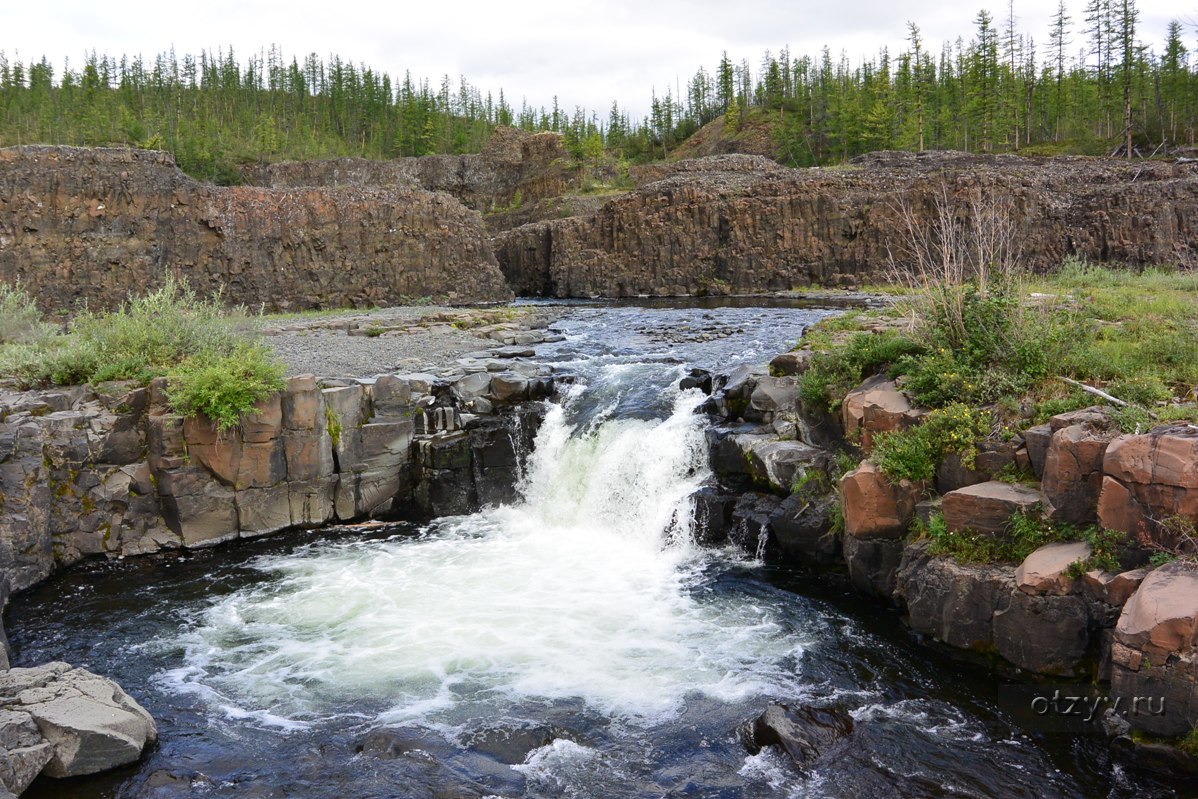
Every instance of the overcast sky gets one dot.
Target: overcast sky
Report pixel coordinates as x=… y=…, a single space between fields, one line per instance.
x=586 y=53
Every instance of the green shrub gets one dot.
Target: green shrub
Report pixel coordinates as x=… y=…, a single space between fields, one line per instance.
x=215 y=367
x=20 y=320
x=225 y=387
x=1024 y=535
x=837 y=371
x=981 y=345
x=151 y=333
x=913 y=454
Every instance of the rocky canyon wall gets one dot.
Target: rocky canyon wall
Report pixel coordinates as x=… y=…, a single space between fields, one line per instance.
x=514 y=167
x=111 y=471
x=743 y=224
x=92 y=225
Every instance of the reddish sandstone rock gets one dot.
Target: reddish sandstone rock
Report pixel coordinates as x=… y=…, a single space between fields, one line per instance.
x=1161 y=618
x=874 y=507
x=1045 y=571
x=1150 y=478
x=1153 y=655
x=987 y=507
x=877 y=406
x=1073 y=472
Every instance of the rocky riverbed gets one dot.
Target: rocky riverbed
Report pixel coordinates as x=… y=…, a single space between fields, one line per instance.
x=427 y=338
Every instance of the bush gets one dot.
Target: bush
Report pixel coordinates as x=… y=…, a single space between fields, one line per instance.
x=225 y=387
x=20 y=320
x=913 y=454
x=1025 y=534
x=834 y=373
x=214 y=366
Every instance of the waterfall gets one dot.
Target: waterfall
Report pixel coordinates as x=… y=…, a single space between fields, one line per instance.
x=586 y=589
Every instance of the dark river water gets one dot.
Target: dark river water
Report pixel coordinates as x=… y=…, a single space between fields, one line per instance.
x=575 y=644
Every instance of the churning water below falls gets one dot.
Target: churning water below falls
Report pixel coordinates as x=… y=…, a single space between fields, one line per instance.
x=575 y=644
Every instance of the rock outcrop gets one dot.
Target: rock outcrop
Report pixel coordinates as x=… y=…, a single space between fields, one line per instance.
x=741 y=224
x=1150 y=480
x=1154 y=656
x=65 y=722
x=514 y=165
x=111 y=471
x=94 y=225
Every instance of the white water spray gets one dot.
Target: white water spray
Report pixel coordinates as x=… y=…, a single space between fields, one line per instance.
x=587 y=589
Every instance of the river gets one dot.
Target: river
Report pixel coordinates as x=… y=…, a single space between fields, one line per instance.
x=575 y=644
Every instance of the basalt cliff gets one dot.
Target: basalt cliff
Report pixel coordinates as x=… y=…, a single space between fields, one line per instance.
x=736 y=224
x=92 y=225
x=80 y=225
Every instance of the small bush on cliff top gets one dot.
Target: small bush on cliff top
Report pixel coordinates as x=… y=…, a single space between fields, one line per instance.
x=20 y=320
x=913 y=454
x=214 y=365
x=225 y=387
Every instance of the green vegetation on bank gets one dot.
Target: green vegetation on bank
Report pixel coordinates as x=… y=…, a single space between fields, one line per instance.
x=213 y=363
x=1101 y=81
x=1013 y=342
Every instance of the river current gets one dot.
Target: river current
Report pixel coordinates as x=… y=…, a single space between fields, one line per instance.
x=581 y=620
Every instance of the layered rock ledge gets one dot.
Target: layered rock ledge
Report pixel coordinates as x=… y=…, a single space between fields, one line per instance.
x=94 y=225
x=742 y=224
x=775 y=493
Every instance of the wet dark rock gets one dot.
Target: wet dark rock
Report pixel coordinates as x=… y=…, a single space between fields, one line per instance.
x=1158 y=758
x=389 y=743
x=807 y=734
x=873 y=564
x=714 y=508
x=949 y=601
x=512 y=744
x=751 y=521
x=697 y=378
x=802 y=528
x=1044 y=634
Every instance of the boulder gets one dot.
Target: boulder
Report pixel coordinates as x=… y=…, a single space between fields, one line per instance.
x=1037 y=439
x=511 y=744
x=23 y=750
x=1161 y=618
x=774 y=398
x=91 y=724
x=987 y=507
x=696 y=378
x=1154 y=658
x=1046 y=571
x=783 y=464
x=952 y=602
x=802 y=528
x=508 y=388
x=471 y=386
x=1073 y=472
x=1044 y=634
x=873 y=564
x=1150 y=478
x=713 y=514
x=877 y=406
x=792 y=363
x=806 y=734
x=873 y=506
x=751 y=518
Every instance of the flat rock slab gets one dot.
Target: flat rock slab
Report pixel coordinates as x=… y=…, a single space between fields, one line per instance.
x=91 y=724
x=513 y=352
x=1045 y=571
x=1161 y=618
x=987 y=507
